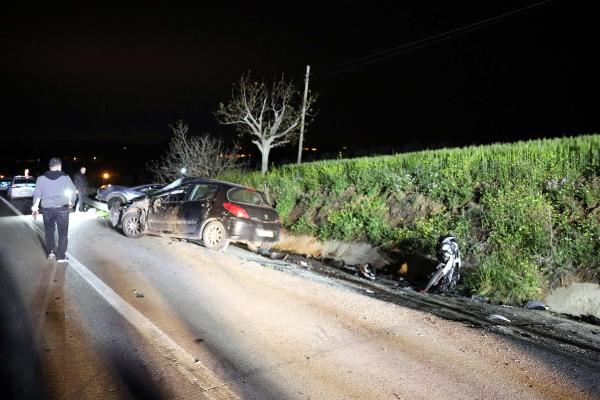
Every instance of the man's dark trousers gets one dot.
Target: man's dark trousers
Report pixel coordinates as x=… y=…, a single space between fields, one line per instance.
x=81 y=199
x=56 y=218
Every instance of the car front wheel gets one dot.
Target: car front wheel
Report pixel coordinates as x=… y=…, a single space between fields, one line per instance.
x=214 y=236
x=116 y=201
x=131 y=225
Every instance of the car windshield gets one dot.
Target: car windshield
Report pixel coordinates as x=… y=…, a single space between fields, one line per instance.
x=247 y=196
x=173 y=184
x=148 y=188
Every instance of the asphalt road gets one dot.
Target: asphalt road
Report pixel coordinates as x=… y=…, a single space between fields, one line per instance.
x=154 y=318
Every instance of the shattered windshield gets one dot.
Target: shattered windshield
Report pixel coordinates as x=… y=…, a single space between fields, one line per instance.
x=173 y=184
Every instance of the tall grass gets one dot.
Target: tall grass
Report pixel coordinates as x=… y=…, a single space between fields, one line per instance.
x=526 y=214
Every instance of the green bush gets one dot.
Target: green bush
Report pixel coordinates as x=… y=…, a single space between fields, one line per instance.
x=362 y=219
x=518 y=219
x=506 y=276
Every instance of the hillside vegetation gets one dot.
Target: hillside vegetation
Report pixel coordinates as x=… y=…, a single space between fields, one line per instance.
x=527 y=215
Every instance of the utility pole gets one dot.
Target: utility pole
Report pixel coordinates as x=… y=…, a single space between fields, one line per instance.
x=303 y=114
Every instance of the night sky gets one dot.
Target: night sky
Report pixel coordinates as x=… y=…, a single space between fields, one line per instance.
x=90 y=78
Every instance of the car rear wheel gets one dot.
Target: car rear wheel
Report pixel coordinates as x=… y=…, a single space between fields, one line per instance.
x=214 y=236
x=131 y=225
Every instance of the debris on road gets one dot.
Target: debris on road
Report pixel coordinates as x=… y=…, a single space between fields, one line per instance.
x=137 y=293
x=198 y=340
x=275 y=255
x=349 y=267
x=303 y=264
x=498 y=318
x=366 y=271
x=536 y=305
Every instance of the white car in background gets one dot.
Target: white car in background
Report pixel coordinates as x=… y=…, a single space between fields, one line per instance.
x=21 y=187
x=5 y=182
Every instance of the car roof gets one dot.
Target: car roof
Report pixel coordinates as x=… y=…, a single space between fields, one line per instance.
x=188 y=180
x=207 y=180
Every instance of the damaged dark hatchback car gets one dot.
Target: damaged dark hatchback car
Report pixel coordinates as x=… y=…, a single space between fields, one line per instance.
x=212 y=211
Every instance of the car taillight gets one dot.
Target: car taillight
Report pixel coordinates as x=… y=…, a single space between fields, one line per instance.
x=236 y=210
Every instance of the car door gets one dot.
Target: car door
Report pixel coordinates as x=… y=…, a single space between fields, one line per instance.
x=193 y=211
x=164 y=208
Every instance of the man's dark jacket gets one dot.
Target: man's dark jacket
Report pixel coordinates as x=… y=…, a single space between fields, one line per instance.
x=81 y=183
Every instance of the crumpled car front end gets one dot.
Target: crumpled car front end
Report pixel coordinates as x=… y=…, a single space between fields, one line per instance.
x=115 y=214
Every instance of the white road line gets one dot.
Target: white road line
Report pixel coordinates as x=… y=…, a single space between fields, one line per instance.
x=195 y=371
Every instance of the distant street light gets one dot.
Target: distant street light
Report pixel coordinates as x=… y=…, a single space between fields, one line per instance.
x=105 y=175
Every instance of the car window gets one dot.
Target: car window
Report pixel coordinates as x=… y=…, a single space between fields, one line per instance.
x=242 y=195
x=202 y=191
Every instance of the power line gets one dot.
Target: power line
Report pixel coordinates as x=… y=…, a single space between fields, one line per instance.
x=420 y=43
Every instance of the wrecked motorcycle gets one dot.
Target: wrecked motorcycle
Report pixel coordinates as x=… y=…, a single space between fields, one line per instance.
x=447 y=272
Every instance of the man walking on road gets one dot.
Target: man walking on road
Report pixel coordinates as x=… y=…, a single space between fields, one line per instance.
x=56 y=192
x=81 y=184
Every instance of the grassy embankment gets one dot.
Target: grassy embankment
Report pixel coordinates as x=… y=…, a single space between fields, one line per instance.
x=527 y=215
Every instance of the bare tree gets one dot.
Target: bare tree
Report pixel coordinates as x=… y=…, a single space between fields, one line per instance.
x=201 y=156
x=270 y=116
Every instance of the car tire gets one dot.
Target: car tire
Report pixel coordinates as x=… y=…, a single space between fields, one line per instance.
x=117 y=200
x=114 y=215
x=214 y=236
x=131 y=225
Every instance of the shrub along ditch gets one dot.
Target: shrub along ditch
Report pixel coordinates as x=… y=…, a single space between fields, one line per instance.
x=526 y=214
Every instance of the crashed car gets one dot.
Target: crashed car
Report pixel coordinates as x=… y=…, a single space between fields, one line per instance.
x=214 y=212
x=115 y=194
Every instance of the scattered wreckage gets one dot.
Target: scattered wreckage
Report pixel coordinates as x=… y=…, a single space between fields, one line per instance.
x=447 y=272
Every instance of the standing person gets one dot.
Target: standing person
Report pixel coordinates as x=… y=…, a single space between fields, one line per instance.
x=56 y=192
x=81 y=184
